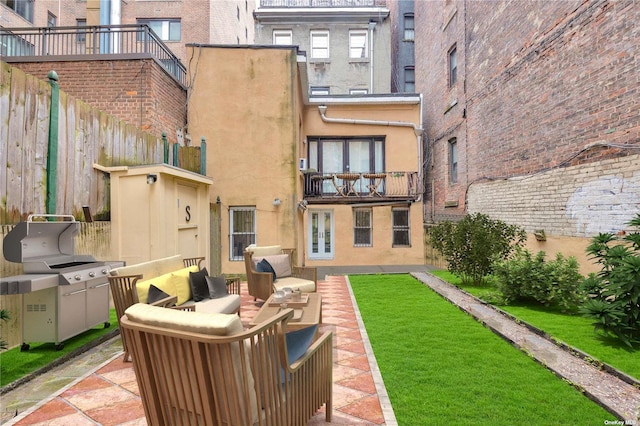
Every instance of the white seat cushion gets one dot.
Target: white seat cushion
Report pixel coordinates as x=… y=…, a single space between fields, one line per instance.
x=305 y=286
x=196 y=322
x=225 y=305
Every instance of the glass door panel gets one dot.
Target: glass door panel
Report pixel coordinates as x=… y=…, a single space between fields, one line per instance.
x=320 y=234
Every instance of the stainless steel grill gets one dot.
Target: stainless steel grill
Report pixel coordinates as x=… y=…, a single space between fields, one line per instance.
x=64 y=294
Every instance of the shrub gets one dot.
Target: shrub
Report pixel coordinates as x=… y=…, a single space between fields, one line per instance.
x=527 y=277
x=614 y=293
x=4 y=316
x=472 y=245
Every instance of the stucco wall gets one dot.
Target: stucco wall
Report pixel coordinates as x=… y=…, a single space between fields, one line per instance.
x=243 y=99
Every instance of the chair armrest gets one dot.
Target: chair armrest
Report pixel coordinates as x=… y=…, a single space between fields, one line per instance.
x=324 y=342
x=233 y=285
x=167 y=302
x=307 y=272
x=189 y=308
x=190 y=261
x=261 y=285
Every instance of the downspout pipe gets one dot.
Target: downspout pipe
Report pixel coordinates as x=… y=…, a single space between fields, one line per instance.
x=418 y=131
x=372 y=26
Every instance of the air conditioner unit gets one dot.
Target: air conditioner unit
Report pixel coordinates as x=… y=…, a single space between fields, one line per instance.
x=302 y=164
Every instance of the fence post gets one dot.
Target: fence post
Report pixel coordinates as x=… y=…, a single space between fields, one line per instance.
x=165 y=144
x=203 y=156
x=52 y=148
x=176 y=154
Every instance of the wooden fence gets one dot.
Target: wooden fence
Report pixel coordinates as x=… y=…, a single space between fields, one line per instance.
x=86 y=136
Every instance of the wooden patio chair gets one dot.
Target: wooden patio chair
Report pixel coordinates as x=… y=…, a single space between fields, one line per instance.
x=261 y=284
x=194 y=368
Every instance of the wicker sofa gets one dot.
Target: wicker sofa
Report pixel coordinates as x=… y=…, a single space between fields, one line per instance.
x=262 y=284
x=205 y=369
x=170 y=275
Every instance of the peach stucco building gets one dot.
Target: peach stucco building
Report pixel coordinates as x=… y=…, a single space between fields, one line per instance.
x=337 y=178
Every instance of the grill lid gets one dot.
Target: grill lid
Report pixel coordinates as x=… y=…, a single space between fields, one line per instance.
x=40 y=240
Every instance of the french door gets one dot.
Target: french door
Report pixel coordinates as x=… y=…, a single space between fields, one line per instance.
x=320 y=234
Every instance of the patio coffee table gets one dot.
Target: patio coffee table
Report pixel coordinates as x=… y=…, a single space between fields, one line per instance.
x=311 y=313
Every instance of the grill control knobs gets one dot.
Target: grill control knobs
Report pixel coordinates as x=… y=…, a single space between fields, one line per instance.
x=77 y=277
x=104 y=272
x=92 y=274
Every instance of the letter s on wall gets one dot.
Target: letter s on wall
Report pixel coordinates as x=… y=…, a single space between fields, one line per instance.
x=188 y=211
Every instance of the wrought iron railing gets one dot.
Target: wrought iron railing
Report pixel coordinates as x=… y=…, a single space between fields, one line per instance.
x=322 y=3
x=118 y=41
x=361 y=186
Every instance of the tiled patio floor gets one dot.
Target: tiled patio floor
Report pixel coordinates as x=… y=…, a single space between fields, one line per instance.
x=109 y=395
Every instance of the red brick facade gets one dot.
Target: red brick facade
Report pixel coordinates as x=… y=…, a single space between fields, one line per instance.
x=138 y=92
x=538 y=84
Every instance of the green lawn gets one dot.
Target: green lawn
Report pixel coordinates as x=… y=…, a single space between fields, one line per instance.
x=572 y=329
x=440 y=366
x=15 y=365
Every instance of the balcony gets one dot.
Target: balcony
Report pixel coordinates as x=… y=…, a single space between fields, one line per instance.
x=360 y=187
x=88 y=43
x=323 y=3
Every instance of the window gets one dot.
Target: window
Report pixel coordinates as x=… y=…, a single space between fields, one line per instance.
x=339 y=155
x=82 y=35
x=242 y=223
x=51 y=20
x=401 y=227
x=358 y=91
x=357 y=44
x=409 y=80
x=408 y=27
x=23 y=8
x=319 y=90
x=283 y=37
x=362 y=227
x=166 y=29
x=453 y=66
x=453 y=160
x=319 y=44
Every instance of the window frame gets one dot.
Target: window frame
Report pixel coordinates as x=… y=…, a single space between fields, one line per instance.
x=81 y=38
x=409 y=30
x=400 y=228
x=318 y=34
x=277 y=33
x=52 y=20
x=365 y=48
x=377 y=144
x=358 y=91
x=319 y=90
x=233 y=235
x=412 y=70
x=169 y=22
x=452 y=63
x=360 y=230
x=21 y=8
x=453 y=160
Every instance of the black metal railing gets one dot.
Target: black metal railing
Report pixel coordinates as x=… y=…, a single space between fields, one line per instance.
x=119 y=41
x=360 y=186
x=322 y=3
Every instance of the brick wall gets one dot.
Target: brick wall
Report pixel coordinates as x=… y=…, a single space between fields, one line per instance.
x=138 y=92
x=576 y=201
x=541 y=85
